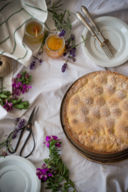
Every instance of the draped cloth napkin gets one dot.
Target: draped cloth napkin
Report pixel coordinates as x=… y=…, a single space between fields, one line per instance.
x=13 y=16
x=51 y=84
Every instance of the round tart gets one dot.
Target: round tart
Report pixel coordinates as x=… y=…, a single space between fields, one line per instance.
x=94 y=112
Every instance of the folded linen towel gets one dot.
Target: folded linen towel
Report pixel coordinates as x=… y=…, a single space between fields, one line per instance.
x=13 y=16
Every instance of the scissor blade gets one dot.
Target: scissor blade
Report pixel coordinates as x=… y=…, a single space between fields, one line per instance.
x=33 y=115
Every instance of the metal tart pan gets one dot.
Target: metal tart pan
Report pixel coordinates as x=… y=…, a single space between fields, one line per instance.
x=98 y=157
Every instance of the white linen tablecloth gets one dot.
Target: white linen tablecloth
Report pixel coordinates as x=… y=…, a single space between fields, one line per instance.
x=51 y=84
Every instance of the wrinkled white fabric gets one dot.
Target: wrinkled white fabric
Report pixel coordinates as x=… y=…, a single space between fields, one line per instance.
x=51 y=84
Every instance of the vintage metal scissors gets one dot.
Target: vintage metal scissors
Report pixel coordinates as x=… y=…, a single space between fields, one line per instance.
x=27 y=127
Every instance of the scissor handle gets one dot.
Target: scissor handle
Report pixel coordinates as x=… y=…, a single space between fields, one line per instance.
x=18 y=142
x=28 y=127
x=26 y=141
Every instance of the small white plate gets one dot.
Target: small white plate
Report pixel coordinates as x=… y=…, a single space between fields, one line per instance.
x=18 y=175
x=116 y=31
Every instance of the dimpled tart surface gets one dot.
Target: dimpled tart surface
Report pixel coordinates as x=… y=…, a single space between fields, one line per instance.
x=95 y=112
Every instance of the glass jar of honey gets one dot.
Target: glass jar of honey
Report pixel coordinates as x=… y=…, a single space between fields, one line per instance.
x=34 y=32
x=54 y=46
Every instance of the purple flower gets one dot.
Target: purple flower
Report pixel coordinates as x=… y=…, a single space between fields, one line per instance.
x=73 y=52
x=48 y=140
x=55 y=137
x=8 y=105
x=70 y=50
x=17 y=119
x=35 y=62
x=47 y=144
x=64 y=67
x=50 y=174
x=18 y=76
x=72 y=37
x=62 y=33
x=32 y=65
x=44 y=165
x=58 y=144
x=40 y=61
x=44 y=173
x=20 y=85
x=20 y=125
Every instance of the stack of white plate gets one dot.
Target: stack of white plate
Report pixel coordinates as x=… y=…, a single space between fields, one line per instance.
x=18 y=175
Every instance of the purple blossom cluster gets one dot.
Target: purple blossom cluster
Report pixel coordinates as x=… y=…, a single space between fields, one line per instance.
x=20 y=84
x=20 y=124
x=44 y=172
x=8 y=105
x=62 y=33
x=70 y=49
x=48 y=140
x=36 y=61
x=64 y=67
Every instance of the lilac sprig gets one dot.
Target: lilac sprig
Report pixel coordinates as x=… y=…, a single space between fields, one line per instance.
x=62 y=33
x=70 y=50
x=20 y=124
x=64 y=67
x=53 y=171
x=35 y=61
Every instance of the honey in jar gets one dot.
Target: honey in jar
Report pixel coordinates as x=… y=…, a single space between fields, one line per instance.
x=55 y=46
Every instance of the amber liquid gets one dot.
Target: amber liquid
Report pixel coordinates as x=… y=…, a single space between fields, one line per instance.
x=55 y=46
x=34 y=32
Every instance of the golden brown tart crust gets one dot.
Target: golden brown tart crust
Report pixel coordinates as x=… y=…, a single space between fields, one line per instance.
x=95 y=112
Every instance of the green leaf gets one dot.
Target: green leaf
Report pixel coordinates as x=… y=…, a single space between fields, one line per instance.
x=16 y=101
x=23 y=105
x=3 y=96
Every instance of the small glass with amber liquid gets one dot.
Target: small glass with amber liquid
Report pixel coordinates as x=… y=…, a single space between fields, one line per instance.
x=34 y=32
x=54 y=46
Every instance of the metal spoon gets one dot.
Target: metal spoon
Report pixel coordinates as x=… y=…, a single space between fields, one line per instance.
x=4 y=68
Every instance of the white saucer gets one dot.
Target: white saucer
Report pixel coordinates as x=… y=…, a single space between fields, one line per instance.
x=18 y=175
x=116 y=31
